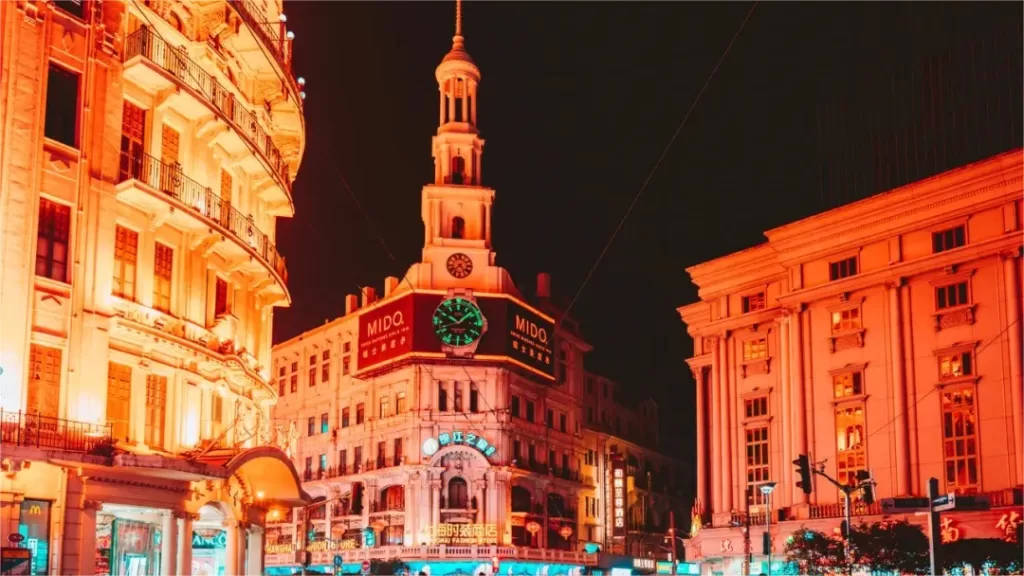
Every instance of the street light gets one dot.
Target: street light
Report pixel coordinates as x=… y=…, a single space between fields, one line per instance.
x=766 y=489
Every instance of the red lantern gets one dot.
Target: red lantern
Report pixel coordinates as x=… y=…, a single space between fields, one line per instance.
x=532 y=527
x=565 y=532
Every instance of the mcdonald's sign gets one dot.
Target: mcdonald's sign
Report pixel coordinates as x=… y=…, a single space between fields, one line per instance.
x=35 y=510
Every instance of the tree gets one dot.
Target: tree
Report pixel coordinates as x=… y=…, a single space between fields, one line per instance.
x=388 y=567
x=890 y=546
x=812 y=552
x=996 y=555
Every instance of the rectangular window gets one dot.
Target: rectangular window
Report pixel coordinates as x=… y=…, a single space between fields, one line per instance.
x=529 y=410
x=757 y=464
x=52 y=245
x=325 y=372
x=948 y=239
x=309 y=465
x=342 y=461
x=517 y=449
x=960 y=440
x=294 y=383
x=549 y=419
x=126 y=253
x=755 y=349
x=62 y=106
x=312 y=360
x=753 y=302
x=346 y=347
x=551 y=459
x=756 y=407
x=325 y=425
x=360 y=413
x=473 y=399
x=357 y=457
x=163 y=265
x=170 y=144
x=119 y=394
x=561 y=422
x=44 y=381
x=843 y=268
x=846 y=320
x=221 y=305
x=400 y=403
x=398 y=452
x=345 y=366
x=532 y=453
x=312 y=377
x=310 y=426
x=385 y=407
x=565 y=462
x=344 y=417
x=850 y=439
x=951 y=295
x=323 y=462
x=847 y=384
x=133 y=142
x=77 y=9
x=515 y=407
x=382 y=449
x=955 y=365
x=156 y=408
x=442 y=398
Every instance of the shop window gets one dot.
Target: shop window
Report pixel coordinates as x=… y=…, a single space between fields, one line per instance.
x=753 y=302
x=851 y=455
x=61 y=122
x=843 y=268
x=34 y=527
x=948 y=239
x=52 y=240
x=126 y=252
x=156 y=409
x=960 y=440
x=757 y=463
x=847 y=384
x=163 y=266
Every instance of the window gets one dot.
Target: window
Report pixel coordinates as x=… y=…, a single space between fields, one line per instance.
x=843 y=268
x=74 y=7
x=357 y=456
x=400 y=403
x=312 y=360
x=310 y=426
x=755 y=349
x=360 y=413
x=753 y=302
x=119 y=393
x=458 y=396
x=382 y=448
x=850 y=442
x=62 y=106
x=156 y=408
x=163 y=264
x=385 y=407
x=551 y=459
x=294 y=384
x=529 y=410
x=473 y=399
x=948 y=239
x=458 y=493
x=397 y=455
x=170 y=145
x=960 y=439
x=458 y=227
x=133 y=142
x=590 y=415
x=344 y=417
x=517 y=449
x=532 y=453
x=126 y=248
x=280 y=387
x=312 y=377
x=325 y=372
x=549 y=419
x=44 y=381
x=951 y=295
x=52 y=245
x=561 y=422
x=846 y=320
x=346 y=347
x=309 y=465
x=323 y=462
x=847 y=384
x=756 y=407
x=757 y=464
x=346 y=362
x=34 y=525
x=442 y=398
x=955 y=365
x=324 y=423
x=220 y=305
x=342 y=461
x=515 y=407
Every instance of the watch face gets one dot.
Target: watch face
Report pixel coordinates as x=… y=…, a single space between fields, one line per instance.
x=458 y=322
x=460 y=265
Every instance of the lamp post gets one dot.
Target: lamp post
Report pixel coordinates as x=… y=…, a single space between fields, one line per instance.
x=766 y=489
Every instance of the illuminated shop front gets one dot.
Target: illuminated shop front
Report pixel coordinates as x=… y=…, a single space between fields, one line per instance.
x=34 y=528
x=128 y=540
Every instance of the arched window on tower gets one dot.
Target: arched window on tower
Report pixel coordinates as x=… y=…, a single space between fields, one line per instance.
x=458 y=494
x=458 y=167
x=458 y=227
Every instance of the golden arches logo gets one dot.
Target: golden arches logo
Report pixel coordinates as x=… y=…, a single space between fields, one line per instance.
x=35 y=510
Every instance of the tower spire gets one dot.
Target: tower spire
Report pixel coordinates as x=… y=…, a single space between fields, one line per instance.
x=458 y=17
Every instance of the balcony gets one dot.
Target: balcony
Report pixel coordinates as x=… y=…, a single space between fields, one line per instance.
x=159 y=66
x=33 y=430
x=162 y=190
x=273 y=35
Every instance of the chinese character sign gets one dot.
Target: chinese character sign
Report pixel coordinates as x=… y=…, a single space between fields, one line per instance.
x=464 y=534
x=432 y=445
x=1008 y=525
x=618 y=496
x=950 y=533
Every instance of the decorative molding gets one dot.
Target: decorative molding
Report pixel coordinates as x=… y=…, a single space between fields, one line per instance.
x=854 y=367
x=845 y=340
x=952 y=277
x=754 y=367
x=88 y=504
x=949 y=317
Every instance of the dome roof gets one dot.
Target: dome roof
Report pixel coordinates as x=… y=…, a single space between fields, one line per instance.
x=458 y=52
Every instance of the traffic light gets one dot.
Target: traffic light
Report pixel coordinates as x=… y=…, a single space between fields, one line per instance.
x=803 y=467
x=864 y=481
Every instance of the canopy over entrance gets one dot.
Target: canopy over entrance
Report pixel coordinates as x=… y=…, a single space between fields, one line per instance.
x=270 y=474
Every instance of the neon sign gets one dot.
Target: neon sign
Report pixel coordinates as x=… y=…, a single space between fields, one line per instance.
x=216 y=540
x=432 y=445
x=619 y=495
x=950 y=533
x=464 y=534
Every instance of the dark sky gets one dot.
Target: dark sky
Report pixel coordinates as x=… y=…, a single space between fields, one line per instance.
x=577 y=101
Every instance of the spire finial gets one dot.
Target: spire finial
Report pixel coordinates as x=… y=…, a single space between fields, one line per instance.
x=458 y=17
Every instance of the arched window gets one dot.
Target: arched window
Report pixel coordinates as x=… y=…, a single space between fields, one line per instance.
x=521 y=499
x=392 y=498
x=458 y=493
x=176 y=22
x=458 y=227
x=458 y=169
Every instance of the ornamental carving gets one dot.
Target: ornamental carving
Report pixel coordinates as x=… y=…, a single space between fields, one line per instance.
x=952 y=318
x=846 y=341
x=755 y=367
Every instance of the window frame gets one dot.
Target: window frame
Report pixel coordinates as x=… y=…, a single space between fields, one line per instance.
x=77 y=128
x=976 y=486
x=752 y=492
x=158 y=279
x=968 y=349
x=747 y=298
x=951 y=227
x=120 y=267
x=55 y=207
x=839 y=261
x=851 y=403
x=854 y=370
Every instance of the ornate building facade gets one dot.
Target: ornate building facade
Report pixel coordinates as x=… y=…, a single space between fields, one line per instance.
x=443 y=422
x=148 y=148
x=882 y=336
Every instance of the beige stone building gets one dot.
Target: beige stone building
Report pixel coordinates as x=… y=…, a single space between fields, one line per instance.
x=147 y=149
x=882 y=336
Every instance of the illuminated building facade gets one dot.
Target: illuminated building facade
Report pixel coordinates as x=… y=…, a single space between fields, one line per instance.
x=443 y=421
x=883 y=336
x=147 y=150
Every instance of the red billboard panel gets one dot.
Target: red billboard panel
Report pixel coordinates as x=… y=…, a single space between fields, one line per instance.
x=385 y=333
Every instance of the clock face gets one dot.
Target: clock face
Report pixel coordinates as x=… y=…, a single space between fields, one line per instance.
x=460 y=265
x=458 y=322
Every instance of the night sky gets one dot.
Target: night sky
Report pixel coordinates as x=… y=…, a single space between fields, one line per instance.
x=577 y=101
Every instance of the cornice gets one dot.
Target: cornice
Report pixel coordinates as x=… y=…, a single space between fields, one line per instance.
x=723 y=327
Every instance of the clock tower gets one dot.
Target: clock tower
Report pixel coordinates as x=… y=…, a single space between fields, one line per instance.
x=456 y=207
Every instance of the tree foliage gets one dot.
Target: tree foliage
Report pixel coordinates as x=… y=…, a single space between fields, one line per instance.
x=996 y=555
x=890 y=546
x=812 y=552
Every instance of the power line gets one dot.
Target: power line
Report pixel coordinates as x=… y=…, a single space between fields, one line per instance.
x=657 y=164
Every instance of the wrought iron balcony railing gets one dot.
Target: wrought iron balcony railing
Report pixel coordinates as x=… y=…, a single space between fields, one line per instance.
x=176 y=62
x=201 y=200
x=26 y=429
x=271 y=34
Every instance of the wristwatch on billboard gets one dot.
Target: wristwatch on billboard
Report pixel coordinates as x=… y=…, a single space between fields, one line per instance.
x=459 y=323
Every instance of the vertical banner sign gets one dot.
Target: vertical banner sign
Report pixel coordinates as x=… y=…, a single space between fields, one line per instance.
x=618 y=496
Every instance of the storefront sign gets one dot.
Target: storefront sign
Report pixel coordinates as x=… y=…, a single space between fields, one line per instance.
x=950 y=533
x=385 y=333
x=328 y=545
x=530 y=339
x=16 y=561
x=644 y=564
x=279 y=548
x=465 y=534
x=210 y=539
x=432 y=445
x=1007 y=524
x=618 y=495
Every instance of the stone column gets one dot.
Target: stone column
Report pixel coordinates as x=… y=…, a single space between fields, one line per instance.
x=797 y=394
x=492 y=513
x=481 y=507
x=473 y=109
x=185 y=544
x=702 y=461
x=465 y=100
x=717 y=472
x=1011 y=278
x=440 y=115
x=254 y=559
x=231 y=549
x=725 y=421
x=899 y=391
x=451 y=100
x=169 y=544
x=784 y=466
x=435 y=502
